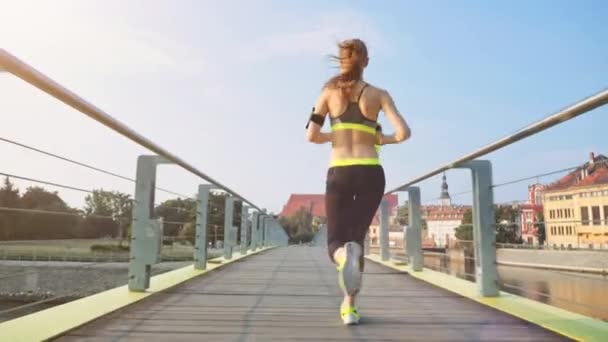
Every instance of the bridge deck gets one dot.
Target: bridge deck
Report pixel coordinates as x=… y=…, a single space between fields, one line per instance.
x=290 y=294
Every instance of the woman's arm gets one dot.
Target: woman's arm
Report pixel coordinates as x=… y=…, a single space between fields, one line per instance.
x=313 y=132
x=402 y=130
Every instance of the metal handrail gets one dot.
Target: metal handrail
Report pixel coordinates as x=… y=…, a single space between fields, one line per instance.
x=29 y=74
x=563 y=115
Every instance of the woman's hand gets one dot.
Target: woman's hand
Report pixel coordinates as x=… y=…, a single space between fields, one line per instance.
x=379 y=138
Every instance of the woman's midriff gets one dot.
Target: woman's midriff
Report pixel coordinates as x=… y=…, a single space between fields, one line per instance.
x=353 y=148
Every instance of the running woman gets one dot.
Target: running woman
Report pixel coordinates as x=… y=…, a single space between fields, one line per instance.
x=355 y=179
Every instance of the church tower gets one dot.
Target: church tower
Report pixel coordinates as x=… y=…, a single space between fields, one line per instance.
x=445 y=199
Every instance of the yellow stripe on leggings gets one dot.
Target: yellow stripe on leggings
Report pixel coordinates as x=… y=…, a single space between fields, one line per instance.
x=354 y=161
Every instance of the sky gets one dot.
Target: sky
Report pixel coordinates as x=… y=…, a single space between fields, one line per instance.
x=228 y=87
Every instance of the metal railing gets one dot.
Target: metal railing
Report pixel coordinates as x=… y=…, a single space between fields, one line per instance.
x=481 y=259
x=147 y=245
x=563 y=115
x=30 y=75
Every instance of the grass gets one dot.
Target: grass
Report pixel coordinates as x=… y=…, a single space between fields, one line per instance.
x=80 y=250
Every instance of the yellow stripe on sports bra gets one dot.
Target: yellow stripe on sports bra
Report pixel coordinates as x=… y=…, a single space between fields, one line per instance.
x=354 y=161
x=353 y=126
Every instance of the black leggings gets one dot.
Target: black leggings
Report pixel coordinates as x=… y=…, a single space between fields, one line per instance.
x=352 y=196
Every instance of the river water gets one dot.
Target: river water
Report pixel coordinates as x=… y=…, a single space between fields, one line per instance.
x=583 y=293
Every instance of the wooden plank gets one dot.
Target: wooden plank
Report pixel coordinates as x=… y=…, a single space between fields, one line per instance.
x=59 y=319
x=292 y=294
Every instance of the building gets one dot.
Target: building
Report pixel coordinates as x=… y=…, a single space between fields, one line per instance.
x=576 y=207
x=442 y=219
x=530 y=212
x=396 y=232
x=444 y=199
x=315 y=203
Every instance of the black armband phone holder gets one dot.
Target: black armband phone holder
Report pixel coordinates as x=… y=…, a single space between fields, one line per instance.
x=316 y=118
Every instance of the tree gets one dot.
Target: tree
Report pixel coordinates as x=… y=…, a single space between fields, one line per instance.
x=117 y=205
x=37 y=226
x=9 y=197
x=98 y=203
x=505 y=226
x=505 y=217
x=464 y=232
x=540 y=228
x=32 y=225
x=317 y=222
x=176 y=210
x=467 y=217
x=403 y=214
x=504 y=213
x=122 y=212
x=215 y=217
x=36 y=197
x=188 y=232
x=298 y=224
x=507 y=233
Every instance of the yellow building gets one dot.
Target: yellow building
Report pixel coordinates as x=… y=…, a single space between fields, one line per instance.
x=576 y=207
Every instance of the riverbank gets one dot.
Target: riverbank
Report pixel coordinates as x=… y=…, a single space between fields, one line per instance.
x=32 y=280
x=599 y=271
x=578 y=261
x=595 y=262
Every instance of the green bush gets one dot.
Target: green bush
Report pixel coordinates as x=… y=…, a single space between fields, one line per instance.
x=109 y=248
x=302 y=238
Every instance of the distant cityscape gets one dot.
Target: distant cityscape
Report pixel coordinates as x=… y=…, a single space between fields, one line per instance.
x=571 y=212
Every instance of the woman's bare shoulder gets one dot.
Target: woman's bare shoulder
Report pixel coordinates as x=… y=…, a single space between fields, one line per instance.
x=376 y=90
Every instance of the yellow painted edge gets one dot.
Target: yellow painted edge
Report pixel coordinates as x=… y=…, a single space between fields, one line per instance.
x=52 y=322
x=563 y=322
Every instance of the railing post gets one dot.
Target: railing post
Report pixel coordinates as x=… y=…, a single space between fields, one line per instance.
x=284 y=237
x=200 y=239
x=244 y=226
x=385 y=253
x=267 y=223
x=264 y=231
x=228 y=218
x=147 y=233
x=320 y=238
x=259 y=235
x=259 y=239
x=277 y=234
x=366 y=244
x=414 y=230
x=484 y=232
x=254 y=227
x=270 y=232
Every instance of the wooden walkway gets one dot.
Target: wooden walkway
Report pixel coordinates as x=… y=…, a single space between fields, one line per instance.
x=290 y=294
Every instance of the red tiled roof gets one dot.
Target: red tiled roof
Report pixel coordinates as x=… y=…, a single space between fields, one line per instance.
x=298 y=201
x=596 y=173
x=393 y=204
x=443 y=213
x=533 y=207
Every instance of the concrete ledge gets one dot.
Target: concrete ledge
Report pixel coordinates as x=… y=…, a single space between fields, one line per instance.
x=566 y=323
x=601 y=271
x=52 y=322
